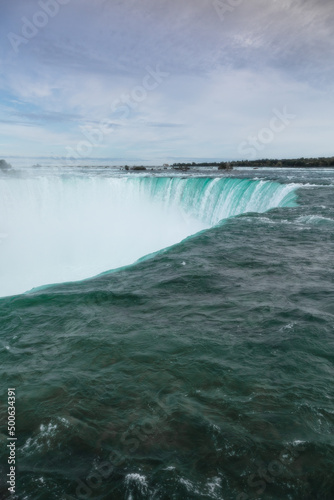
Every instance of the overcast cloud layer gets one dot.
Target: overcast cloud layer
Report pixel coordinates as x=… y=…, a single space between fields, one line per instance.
x=169 y=78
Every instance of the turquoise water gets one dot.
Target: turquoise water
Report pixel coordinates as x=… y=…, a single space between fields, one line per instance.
x=202 y=372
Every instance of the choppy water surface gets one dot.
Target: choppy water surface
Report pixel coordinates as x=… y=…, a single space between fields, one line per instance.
x=203 y=372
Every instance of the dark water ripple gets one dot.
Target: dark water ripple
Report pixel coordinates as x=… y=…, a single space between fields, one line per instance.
x=205 y=372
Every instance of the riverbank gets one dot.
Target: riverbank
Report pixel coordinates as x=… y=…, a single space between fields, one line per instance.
x=273 y=163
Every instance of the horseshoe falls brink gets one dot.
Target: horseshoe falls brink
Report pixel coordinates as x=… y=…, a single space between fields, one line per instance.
x=168 y=336
x=66 y=228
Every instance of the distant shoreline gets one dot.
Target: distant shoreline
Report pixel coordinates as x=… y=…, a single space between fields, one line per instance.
x=305 y=163
x=267 y=163
x=230 y=165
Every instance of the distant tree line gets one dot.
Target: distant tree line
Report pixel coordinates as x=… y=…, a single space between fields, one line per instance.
x=291 y=163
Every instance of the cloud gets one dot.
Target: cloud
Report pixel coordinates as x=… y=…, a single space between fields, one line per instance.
x=226 y=73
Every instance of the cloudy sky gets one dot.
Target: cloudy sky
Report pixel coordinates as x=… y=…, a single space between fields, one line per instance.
x=146 y=79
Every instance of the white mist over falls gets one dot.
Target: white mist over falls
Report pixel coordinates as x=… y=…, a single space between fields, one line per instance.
x=62 y=227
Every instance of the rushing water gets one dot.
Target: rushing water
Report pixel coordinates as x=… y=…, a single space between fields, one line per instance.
x=58 y=228
x=203 y=371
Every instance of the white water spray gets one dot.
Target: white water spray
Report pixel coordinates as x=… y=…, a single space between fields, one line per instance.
x=55 y=229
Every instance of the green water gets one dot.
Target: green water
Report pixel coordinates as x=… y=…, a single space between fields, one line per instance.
x=204 y=372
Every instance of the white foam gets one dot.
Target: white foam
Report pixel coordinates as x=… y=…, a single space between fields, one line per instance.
x=136 y=477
